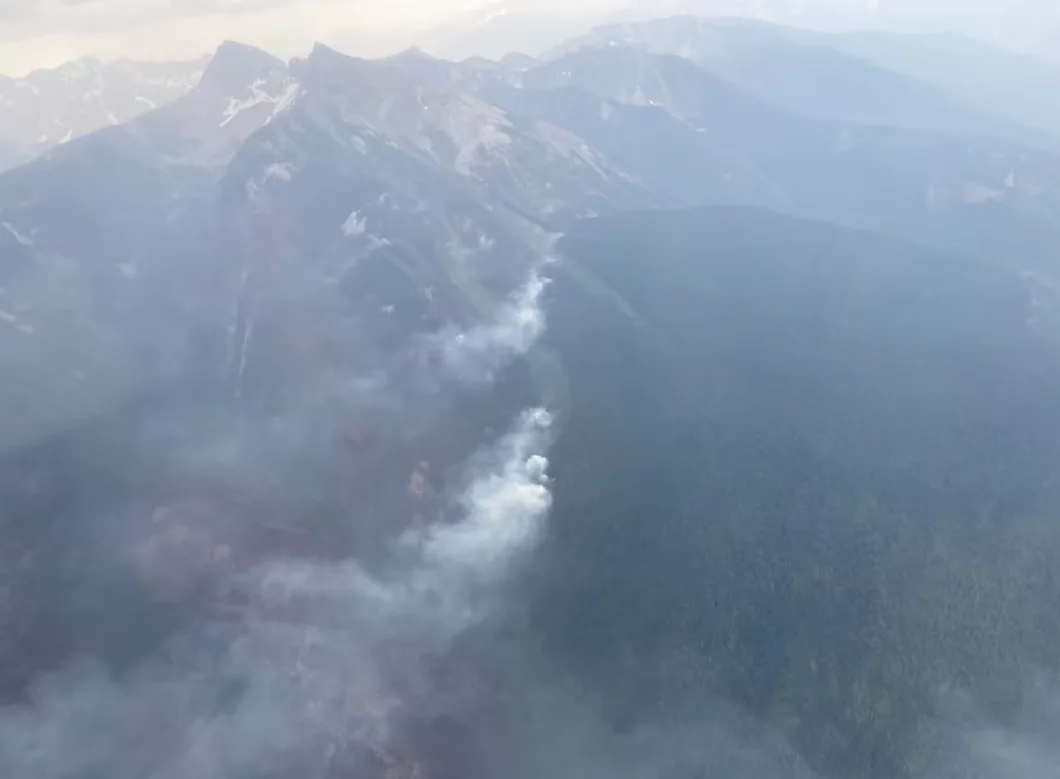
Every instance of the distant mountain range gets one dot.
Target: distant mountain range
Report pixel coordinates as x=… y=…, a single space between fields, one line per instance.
x=1022 y=25
x=880 y=70
x=499 y=27
x=50 y=107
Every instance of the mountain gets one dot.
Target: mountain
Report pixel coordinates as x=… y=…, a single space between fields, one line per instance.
x=50 y=107
x=812 y=14
x=781 y=367
x=787 y=67
x=213 y=205
x=1008 y=84
x=321 y=267
x=444 y=180
x=1023 y=25
x=699 y=138
x=838 y=447
x=90 y=231
x=431 y=187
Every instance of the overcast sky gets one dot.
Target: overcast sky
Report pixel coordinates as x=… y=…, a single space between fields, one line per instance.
x=44 y=33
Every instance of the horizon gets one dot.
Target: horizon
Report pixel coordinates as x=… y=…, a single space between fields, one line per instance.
x=31 y=42
x=205 y=56
x=182 y=31
x=44 y=34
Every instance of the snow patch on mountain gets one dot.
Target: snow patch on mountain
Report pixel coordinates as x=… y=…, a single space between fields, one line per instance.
x=257 y=97
x=354 y=225
x=25 y=240
x=284 y=102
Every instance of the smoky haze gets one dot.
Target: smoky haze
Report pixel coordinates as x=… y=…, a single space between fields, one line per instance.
x=331 y=661
x=45 y=34
x=678 y=401
x=360 y=666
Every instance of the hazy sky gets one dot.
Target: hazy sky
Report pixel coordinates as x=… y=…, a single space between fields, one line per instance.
x=44 y=33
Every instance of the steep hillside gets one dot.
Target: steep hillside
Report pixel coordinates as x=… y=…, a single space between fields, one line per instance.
x=808 y=469
x=828 y=76
x=700 y=139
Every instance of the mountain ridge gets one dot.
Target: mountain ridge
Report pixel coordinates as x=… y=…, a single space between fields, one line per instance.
x=449 y=174
x=49 y=107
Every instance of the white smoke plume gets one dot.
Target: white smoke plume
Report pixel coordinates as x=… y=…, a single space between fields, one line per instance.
x=504 y=507
x=315 y=667
x=1025 y=746
x=327 y=657
x=477 y=354
x=444 y=576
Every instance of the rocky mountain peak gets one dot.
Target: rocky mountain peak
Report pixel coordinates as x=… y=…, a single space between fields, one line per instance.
x=235 y=65
x=323 y=55
x=79 y=68
x=412 y=54
x=325 y=65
